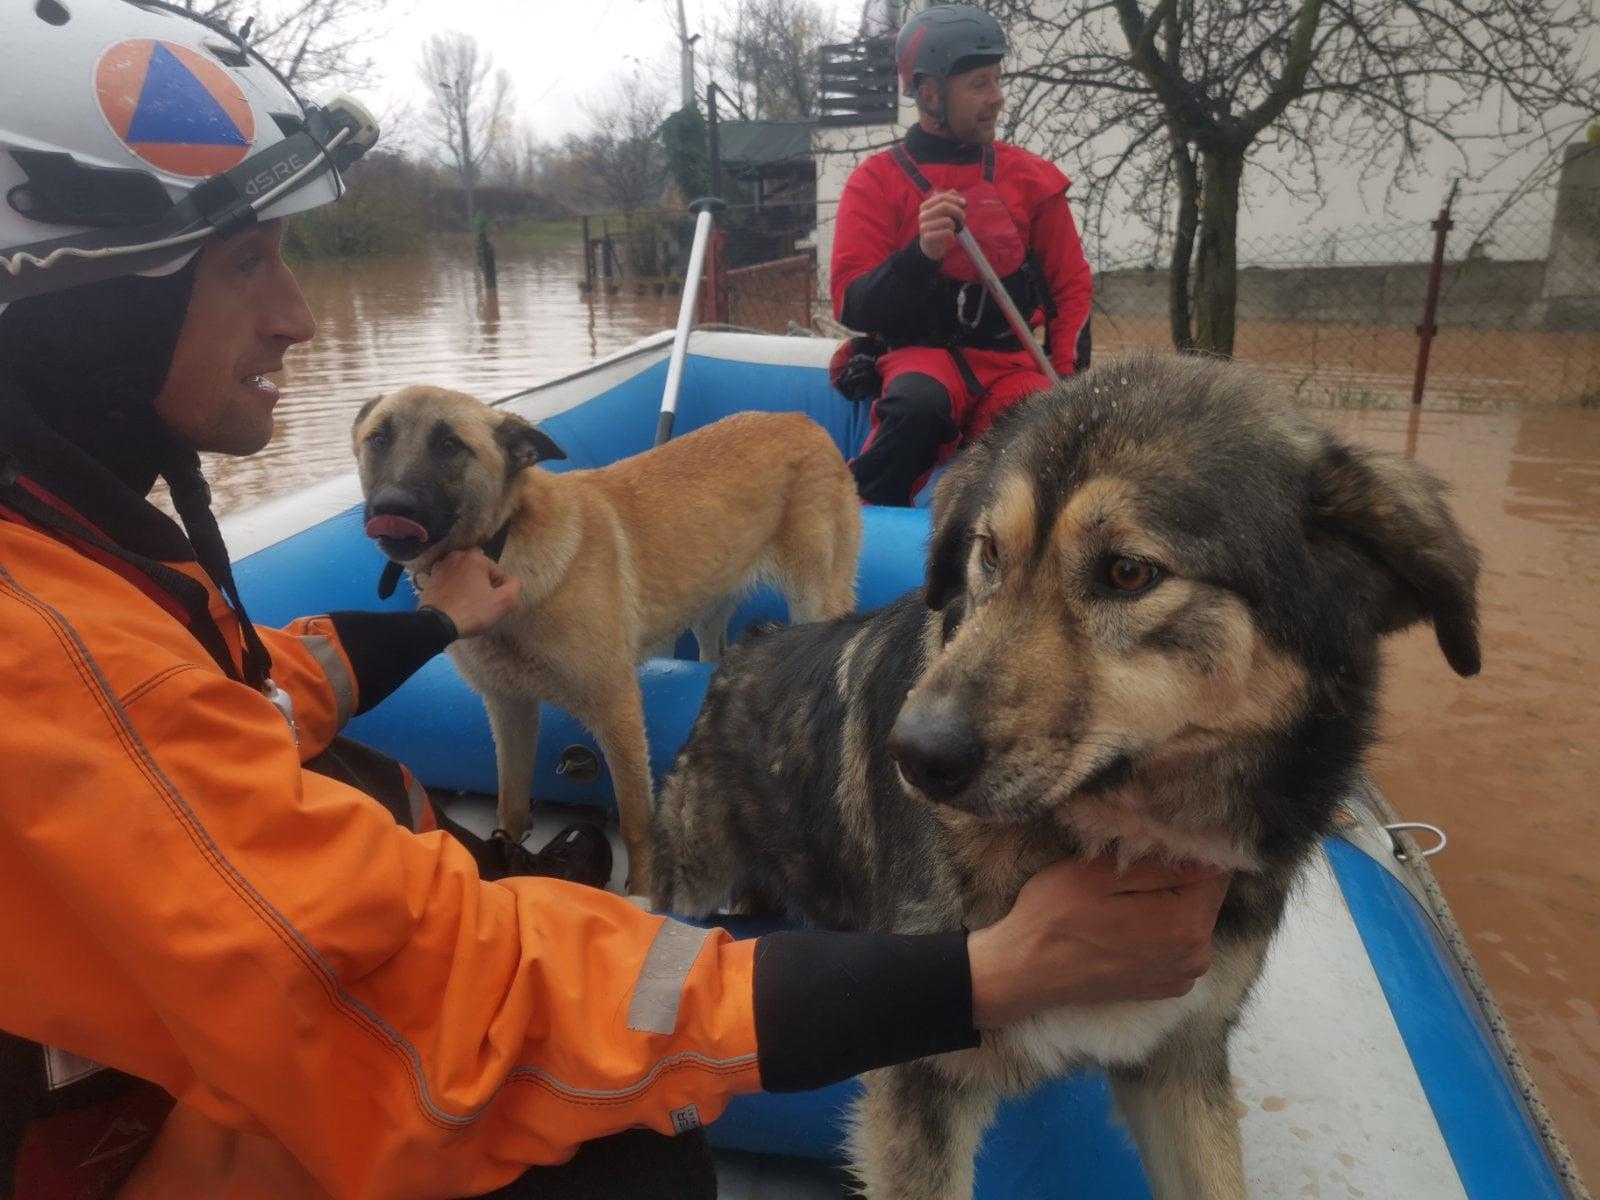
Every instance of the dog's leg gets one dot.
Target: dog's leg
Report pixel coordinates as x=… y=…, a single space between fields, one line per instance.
x=711 y=630
x=915 y=1132
x=514 y=721
x=619 y=727
x=1179 y=1105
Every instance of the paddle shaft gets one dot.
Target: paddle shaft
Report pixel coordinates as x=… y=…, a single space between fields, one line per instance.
x=997 y=292
x=680 y=338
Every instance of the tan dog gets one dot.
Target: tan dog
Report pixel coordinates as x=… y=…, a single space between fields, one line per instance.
x=614 y=562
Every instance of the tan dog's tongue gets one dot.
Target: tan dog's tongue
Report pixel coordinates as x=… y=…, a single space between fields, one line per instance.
x=398 y=528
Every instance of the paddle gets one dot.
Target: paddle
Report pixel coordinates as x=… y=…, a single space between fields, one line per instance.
x=703 y=209
x=997 y=292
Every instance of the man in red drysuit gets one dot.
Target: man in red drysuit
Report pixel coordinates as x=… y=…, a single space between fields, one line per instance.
x=952 y=363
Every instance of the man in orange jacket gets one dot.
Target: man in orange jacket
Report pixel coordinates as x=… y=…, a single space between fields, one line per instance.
x=228 y=971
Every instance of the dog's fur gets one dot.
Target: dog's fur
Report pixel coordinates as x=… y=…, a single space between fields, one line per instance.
x=1219 y=714
x=614 y=562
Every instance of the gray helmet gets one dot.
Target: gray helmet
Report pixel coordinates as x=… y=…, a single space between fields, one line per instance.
x=934 y=41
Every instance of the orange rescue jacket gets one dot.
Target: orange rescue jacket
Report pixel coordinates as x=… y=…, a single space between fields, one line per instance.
x=339 y=1007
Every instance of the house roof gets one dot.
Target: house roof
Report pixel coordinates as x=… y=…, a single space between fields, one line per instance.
x=764 y=143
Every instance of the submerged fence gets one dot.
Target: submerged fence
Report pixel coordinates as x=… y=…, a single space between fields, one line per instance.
x=1336 y=316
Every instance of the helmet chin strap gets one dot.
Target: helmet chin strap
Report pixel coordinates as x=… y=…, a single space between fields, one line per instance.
x=937 y=111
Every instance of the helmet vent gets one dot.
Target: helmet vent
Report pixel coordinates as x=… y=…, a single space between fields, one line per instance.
x=52 y=12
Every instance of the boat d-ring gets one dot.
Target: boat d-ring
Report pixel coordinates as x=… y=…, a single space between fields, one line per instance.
x=1410 y=825
x=579 y=764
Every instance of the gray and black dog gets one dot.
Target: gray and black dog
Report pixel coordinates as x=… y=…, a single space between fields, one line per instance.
x=1151 y=622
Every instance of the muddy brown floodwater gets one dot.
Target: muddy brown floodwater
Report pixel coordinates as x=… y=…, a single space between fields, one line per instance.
x=1508 y=762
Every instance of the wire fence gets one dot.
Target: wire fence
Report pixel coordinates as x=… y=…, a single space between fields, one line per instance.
x=1336 y=316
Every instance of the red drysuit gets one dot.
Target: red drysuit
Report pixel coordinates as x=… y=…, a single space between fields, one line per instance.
x=953 y=364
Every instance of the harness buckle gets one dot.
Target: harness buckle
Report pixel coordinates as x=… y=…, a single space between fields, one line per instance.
x=284 y=703
x=971 y=323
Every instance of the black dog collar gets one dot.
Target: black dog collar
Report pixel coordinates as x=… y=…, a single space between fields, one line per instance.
x=494 y=548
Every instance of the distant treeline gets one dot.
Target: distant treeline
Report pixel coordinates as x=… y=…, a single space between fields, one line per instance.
x=395 y=202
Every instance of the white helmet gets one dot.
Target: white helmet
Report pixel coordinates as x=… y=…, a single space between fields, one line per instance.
x=131 y=130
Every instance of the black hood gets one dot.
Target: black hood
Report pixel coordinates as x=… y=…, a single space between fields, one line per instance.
x=90 y=362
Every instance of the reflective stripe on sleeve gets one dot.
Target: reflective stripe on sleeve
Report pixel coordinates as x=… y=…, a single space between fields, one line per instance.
x=661 y=979
x=344 y=688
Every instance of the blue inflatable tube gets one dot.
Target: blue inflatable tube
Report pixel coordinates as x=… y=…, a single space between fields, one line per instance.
x=1364 y=1065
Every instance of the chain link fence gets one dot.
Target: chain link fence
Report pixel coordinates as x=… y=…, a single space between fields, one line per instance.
x=1336 y=316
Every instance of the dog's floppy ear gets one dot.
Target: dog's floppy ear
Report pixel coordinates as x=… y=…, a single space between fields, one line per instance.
x=524 y=443
x=361 y=413
x=956 y=501
x=1394 y=512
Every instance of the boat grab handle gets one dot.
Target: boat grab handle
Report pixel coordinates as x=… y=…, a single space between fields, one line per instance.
x=1410 y=825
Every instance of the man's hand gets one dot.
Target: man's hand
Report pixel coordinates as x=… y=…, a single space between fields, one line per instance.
x=1081 y=933
x=469 y=589
x=937 y=220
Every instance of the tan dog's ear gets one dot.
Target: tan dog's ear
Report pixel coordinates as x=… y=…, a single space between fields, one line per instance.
x=524 y=444
x=361 y=413
x=1393 y=512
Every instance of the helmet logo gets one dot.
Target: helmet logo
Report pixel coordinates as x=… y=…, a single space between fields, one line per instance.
x=173 y=107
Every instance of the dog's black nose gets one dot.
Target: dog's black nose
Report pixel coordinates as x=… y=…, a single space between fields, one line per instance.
x=393 y=502
x=937 y=748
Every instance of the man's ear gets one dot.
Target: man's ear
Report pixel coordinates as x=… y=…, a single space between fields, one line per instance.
x=1392 y=512
x=524 y=444
x=957 y=499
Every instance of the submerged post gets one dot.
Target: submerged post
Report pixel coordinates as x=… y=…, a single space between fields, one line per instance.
x=491 y=280
x=588 y=258
x=1430 y=306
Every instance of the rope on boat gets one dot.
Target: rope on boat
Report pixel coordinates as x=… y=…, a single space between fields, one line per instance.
x=1572 y=1183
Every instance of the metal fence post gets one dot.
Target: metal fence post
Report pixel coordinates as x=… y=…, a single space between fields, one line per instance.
x=714 y=300
x=714 y=139
x=1430 y=307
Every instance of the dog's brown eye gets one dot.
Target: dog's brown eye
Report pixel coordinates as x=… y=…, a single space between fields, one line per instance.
x=988 y=555
x=1130 y=575
x=377 y=439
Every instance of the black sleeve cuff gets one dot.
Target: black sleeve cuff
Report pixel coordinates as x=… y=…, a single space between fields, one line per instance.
x=387 y=648
x=831 y=1005
x=912 y=265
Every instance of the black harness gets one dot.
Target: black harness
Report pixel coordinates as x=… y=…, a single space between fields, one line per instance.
x=961 y=309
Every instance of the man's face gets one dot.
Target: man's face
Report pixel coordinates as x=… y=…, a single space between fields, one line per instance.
x=972 y=104
x=245 y=311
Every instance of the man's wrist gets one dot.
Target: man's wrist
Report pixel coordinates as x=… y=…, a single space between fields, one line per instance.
x=912 y=265
x=445 y=619
x=989 y=993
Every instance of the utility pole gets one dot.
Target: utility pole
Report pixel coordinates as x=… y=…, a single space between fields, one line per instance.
x=686 y=58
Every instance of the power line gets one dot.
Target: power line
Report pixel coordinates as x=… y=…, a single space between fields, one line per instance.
x=562 y=78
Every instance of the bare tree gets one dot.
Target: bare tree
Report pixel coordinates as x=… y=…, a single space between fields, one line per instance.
x=308 y=41
x=468 y=108
x=1187 y=94
x=622 y=150
x=766 y=55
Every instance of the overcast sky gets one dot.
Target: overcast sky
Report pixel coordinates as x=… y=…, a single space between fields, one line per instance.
x=560 y=53
x=557 y=52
